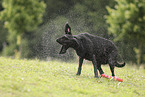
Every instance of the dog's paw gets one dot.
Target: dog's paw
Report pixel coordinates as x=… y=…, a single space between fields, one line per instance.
x=100 y=76
x=78 y=74
x=97 y=77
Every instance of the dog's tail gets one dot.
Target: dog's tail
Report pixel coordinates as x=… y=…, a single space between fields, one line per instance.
x=119 y=65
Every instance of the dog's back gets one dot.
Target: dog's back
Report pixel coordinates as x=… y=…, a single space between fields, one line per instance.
x=99 y=46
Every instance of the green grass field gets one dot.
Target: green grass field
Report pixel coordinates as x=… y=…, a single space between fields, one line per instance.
x=34 y=78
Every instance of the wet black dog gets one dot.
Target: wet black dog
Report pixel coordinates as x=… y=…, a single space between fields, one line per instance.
x=93 y=48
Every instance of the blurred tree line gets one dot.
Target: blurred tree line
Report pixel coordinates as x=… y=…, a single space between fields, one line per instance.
x=82 y=15
x=127 y=21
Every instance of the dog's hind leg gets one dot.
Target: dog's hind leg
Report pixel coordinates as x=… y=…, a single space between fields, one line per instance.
x=112 y=69
x=112 y=65
x=100 y=69
x=95 y=66
x=80 y=65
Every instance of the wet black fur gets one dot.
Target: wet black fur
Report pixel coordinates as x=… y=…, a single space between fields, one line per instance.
x=90 y=47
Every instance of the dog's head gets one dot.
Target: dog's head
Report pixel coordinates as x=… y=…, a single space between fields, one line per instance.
x=67 y=40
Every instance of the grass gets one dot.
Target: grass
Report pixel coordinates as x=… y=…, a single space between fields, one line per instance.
x=34 y=78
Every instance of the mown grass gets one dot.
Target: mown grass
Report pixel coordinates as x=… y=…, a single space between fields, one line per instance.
x=34 y=78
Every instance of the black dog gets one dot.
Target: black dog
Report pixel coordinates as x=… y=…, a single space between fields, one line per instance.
x=93 y=48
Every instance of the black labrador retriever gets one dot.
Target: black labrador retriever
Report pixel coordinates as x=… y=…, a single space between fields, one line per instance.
x=93 y=48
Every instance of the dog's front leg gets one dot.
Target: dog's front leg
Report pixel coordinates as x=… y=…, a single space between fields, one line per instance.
x=95 y=66
x=80 y=65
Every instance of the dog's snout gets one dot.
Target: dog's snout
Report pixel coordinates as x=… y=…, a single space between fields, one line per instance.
x=58 y=40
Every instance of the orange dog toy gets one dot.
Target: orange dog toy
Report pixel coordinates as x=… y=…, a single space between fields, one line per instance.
x=115 y=78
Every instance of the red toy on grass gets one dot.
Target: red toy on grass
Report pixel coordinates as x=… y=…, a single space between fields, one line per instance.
x=115 y=78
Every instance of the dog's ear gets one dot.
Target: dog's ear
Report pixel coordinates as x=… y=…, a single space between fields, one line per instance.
x=67 y=29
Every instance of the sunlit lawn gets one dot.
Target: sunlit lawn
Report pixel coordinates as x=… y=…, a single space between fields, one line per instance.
x=34 y=78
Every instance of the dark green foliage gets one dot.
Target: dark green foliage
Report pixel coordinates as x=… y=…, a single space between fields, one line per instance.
x=3 y=34
x=20 y=16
